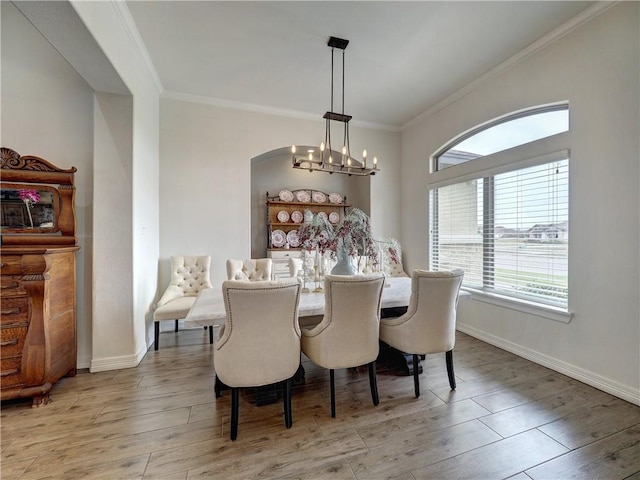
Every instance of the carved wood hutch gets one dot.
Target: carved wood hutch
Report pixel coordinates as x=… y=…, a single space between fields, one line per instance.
x=38 y=273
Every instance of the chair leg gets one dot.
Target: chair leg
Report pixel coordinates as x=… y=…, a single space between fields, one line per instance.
x=177 y=321
x=235 y=404
x=373 y=383
x=288 y=417
x=452 y=378
x=332 y=383
x=416 y=379
x=210 y=334
x=156 y=335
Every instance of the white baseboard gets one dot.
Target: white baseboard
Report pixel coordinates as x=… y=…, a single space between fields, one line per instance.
x=601 y=383
x=117 y=363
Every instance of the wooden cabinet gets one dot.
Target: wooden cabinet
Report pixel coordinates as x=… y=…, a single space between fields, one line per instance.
x=38 y=280
x=286 y=214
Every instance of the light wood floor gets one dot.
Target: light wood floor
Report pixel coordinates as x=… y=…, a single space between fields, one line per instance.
x=508 y=418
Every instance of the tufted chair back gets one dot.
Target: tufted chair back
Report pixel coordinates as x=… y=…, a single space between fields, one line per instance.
x=189 y=276
x=259 y=344
x=252 y=269
x=347 y=336
x=295 y=265
x=429 y=325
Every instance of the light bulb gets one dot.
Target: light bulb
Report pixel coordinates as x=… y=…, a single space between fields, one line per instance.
x=364 y=153
x=375 y=162
x=322 y=147
x=344 y=149
x=293 y=149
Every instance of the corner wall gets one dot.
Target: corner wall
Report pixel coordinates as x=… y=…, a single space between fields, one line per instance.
x=597 y=69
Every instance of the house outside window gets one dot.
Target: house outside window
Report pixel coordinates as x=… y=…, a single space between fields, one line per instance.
x=499 y=209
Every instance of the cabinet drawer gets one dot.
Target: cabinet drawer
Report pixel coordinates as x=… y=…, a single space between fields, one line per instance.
x=10 y=264
x=11 y=285
x=12 y=341
x=284 y=254
x=10 y=374
x=14 y=311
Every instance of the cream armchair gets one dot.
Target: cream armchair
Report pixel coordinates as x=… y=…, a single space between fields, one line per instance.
x=347 y=336
x=295 y=265
x=429 y=326
x=189 y=276
x=259 y=344
x=253 y=269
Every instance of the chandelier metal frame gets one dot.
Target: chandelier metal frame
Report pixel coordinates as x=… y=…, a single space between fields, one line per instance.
x=326 y=159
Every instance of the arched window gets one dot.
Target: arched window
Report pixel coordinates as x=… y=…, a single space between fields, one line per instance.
x=503 y=133
x=503 y=213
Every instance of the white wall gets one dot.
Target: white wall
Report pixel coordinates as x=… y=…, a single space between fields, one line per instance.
x=47 y=111
x=133 y=261
x=205 y=177
x=596 y=68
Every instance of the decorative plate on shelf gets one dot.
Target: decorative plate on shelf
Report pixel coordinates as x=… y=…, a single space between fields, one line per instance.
x=319 y=197
x=303 y=196
x=293 y=239
x=286 y=196
x=334 y=217
x=322 y=215
x=278 y=238
x=297 y=217
x=335 y=198
x=283 y=216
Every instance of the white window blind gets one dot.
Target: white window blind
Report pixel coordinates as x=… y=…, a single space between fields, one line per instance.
x=509 y=232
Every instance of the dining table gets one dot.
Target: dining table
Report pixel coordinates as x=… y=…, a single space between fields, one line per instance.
x=208 y=309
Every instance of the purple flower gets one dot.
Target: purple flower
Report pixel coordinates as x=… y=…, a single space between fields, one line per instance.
x=29 y=196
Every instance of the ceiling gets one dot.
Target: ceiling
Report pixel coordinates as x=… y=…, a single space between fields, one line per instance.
x=403 y=57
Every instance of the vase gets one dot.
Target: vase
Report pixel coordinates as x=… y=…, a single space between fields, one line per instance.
x=344 y=265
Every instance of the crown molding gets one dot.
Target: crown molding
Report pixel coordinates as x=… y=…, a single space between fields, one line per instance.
x=545 y=41
x=136 y=40
x=249 y=107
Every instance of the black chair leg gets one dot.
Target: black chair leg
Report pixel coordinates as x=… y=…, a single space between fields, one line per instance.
x=416 y=379
x=235 y=404
x=332 y=383
x=210 y=334
x=373 y=383
x=452 y=378
x=177 y=321
x=288 y=417
x=156 y=335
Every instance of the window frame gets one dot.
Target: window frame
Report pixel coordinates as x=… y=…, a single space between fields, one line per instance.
x=537 y=152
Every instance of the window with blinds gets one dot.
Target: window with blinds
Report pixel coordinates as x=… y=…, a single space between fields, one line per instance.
x=509 y=232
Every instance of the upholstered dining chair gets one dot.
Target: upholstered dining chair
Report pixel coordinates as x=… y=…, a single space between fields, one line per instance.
x=189 y=276
x=429 y=325
x=252 y=269
x=259 y=343
x=347 y=336
x=295 y=265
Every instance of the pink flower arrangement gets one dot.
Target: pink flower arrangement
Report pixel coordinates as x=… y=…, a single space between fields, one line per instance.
x=353 y=234
x=29 y=196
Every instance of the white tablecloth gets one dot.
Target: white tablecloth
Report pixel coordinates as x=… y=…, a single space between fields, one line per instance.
x=208 y=309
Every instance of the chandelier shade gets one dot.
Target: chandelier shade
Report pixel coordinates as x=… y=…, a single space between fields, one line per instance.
x=324 y=158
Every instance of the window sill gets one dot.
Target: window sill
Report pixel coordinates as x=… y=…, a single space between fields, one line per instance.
x=545 y=311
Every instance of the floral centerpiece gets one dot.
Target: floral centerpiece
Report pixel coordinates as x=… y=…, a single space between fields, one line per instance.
x=350 y=238
x=29 y=197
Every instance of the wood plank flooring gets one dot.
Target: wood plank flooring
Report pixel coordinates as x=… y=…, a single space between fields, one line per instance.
x=508 y=418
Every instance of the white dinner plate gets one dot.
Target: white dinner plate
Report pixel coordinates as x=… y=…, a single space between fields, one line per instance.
x=297 y=217
x=286 y=196
x=334 y=217
x=293 y=239
x=303 y=196
x=283 y=216
x=335 y=198
x=278 y=238
x=319 y=197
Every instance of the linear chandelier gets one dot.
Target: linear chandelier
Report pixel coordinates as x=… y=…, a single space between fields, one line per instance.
x=325 y=159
